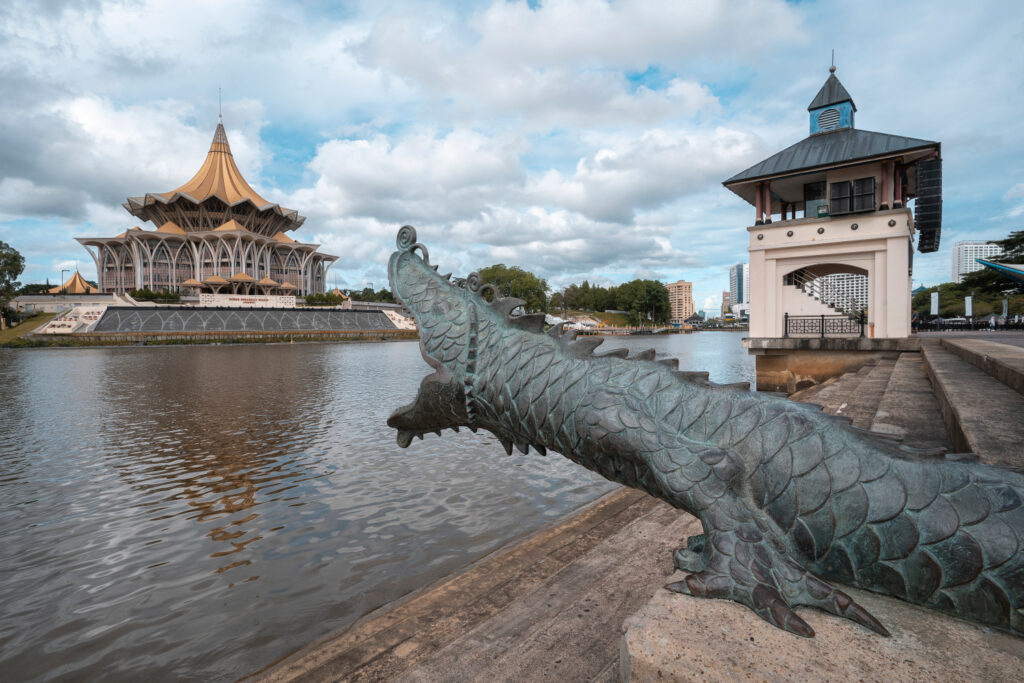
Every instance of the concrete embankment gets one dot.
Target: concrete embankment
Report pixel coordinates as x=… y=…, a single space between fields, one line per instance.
x=548 y=608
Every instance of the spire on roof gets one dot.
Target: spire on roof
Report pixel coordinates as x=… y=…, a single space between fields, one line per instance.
x=831 y=93
x=220 y=138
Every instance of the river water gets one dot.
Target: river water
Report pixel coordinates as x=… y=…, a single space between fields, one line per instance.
x=195 y=513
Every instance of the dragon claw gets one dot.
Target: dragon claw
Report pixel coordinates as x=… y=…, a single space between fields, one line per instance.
x=739 y=563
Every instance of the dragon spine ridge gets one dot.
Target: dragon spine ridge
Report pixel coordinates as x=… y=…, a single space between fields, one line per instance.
x=789 y=498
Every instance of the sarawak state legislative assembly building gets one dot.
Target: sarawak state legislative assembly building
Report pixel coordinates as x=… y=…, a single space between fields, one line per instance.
x=213 y=234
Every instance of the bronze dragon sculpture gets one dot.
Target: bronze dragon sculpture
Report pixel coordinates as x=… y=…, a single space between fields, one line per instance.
x=789 y=498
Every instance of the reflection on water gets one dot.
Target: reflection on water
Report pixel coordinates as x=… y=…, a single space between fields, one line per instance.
x=198 y=512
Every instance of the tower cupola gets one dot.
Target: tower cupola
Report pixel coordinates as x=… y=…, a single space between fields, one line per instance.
x=832 y=108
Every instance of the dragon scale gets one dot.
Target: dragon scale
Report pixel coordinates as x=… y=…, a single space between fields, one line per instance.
x=789 y=498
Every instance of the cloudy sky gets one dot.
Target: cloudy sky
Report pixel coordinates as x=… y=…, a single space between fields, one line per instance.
x=576 y=138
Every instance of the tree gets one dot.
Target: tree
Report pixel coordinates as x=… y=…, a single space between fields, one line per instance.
x=644 y=300
x=522 y=284
x=11 y=266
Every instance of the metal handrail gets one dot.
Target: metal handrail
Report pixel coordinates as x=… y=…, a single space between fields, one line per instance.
x=815 y=286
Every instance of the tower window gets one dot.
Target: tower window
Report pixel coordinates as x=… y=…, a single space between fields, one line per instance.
x=828 y=119
x=849 y=197
x=864 y=194
x=839 y=198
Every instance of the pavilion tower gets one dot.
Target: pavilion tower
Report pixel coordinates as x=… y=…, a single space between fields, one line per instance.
x=832 y=240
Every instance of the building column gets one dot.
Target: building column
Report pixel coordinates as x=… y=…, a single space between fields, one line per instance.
x=897 y=199
x=758 y=213
x=767 y=201
x=883 y=204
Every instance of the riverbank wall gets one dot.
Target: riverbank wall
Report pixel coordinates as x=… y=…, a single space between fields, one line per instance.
x=218 y=337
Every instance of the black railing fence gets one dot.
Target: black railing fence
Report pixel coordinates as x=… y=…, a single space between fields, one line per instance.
x=823 y=325
x=970 y=324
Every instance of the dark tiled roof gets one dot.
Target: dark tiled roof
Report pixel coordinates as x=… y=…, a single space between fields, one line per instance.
x=825 y=149
x=832 y=92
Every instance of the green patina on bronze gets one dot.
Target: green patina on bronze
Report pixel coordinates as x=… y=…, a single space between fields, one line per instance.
x=788 y=497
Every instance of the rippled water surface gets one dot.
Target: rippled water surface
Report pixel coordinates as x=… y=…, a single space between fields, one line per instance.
x=198 y=512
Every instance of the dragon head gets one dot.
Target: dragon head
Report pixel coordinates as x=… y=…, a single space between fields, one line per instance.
x=445 y=315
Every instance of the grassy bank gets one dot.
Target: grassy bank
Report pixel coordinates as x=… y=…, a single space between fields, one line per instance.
x=12 y=334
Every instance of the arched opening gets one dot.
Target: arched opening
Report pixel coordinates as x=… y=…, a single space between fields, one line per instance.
x=825 y=299
x=161 y=269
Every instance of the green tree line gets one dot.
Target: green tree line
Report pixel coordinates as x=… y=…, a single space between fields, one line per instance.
x=643 y=300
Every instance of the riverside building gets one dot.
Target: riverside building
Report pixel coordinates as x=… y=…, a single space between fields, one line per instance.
x=213 y=234
x=680 y=299
x=835 y=203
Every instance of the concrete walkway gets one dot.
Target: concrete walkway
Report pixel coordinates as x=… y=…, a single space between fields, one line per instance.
x=549 y=608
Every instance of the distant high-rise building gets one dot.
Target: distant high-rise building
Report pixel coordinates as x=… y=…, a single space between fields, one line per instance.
x=739 y=279
x=844 y=291
x=726 y=303
x=680 y=298
x=964 y=254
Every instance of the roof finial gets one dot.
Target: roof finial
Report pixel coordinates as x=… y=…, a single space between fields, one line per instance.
x=832 y=69
x=220 y=109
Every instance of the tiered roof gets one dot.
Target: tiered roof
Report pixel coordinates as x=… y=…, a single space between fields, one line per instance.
x=216 y=194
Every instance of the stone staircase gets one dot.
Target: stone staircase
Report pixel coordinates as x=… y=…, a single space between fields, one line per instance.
x=978 y=385
x=963 y=395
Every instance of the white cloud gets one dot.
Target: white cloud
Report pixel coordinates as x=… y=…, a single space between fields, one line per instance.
x=612 y=184
x=421 y=177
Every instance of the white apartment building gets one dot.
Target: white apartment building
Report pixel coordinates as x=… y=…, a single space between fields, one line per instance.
x=964 y=254
x=844 y=291
x=739 y=287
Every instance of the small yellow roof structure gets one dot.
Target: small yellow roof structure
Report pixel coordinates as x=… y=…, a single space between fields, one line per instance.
x=241 y=277
x=76 y=284
x=267 y=282
x=231 y=225
x=281 y=237
x=288 y=285
x=191 y=282
x=171 y=227
x=338 y=292
x=215 y=280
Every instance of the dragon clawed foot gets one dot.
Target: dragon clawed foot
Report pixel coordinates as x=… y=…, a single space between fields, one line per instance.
x=744 y=566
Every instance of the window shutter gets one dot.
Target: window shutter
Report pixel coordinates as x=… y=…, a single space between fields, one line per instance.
x=839 y=197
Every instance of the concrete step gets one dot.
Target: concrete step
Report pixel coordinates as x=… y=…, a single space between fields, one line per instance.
x=834 y=399
x=863 y=402
x=982 y=415
x=1003 y=361
x=909 y=409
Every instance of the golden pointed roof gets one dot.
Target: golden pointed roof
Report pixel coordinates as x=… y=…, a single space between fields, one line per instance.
x=191 y=282
x=267 y=282
x=231 y=225
x=242 y=277
x=215 y=280
x=171 y=227
x=219 y=176
x=281 y=237
x=288 y=285
x=76 y=284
